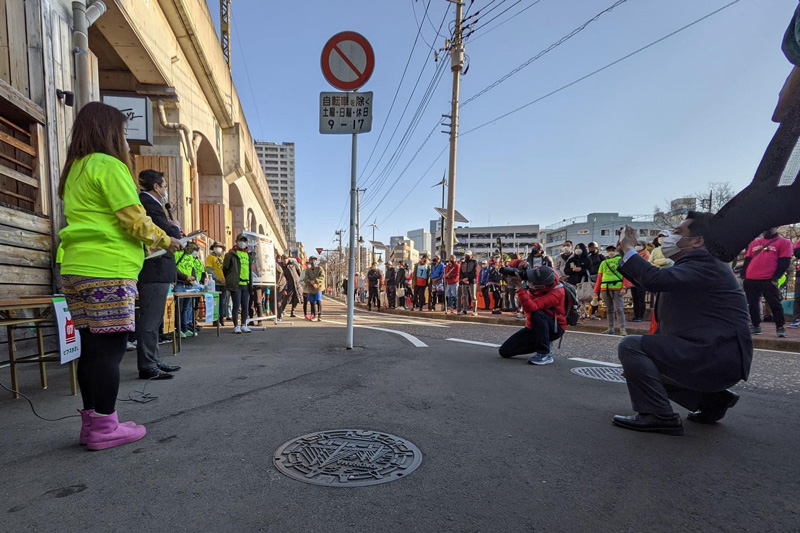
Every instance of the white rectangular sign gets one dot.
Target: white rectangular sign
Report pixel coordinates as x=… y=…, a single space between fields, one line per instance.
x=69 y=338
x=345 y=112
x=209 y=298
x=263 y=264
x=139 y=111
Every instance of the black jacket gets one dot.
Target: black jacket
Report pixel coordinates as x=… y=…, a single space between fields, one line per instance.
x=469 y=271
x=391 y=277
x=703 y=338
x=595 y=259
x=401 y=277
x=581 y=261
x=159 y=269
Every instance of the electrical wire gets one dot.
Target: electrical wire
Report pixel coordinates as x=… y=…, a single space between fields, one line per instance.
x=247 y=74
x=395 y=158
x=410 y=97
x=424 y=174
x=541 y=54
x=496 y=16
x=399 y=85
x=420 y=23
x=601 y=69
x=466 y=17
x=520 y=12
x=34 y=409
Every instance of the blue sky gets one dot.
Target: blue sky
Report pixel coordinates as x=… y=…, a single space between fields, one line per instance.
x=691 y=110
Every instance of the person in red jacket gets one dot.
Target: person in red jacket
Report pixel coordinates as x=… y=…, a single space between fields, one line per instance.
x=545 y=313
x=452 y=272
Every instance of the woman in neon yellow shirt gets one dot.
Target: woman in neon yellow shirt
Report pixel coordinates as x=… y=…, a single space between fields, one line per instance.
x=103 y=254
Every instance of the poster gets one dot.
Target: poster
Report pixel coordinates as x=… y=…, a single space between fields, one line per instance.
x=69 y=338
x=169 y=315
x=263 y=263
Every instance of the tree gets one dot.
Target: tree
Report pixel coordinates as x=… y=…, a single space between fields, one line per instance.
x=711 y=200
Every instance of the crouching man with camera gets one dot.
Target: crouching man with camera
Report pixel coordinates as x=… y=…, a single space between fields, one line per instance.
x=702 y=345
x=545 y=314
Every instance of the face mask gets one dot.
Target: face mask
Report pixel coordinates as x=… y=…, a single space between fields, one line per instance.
x=566 y=249
x=194 y=254
x=313 y=263
x=218 y=251
x=638 y=248
x=669 y=246
x=242 y=245
x=612 y=254
x=578 y=252
x=165 y=197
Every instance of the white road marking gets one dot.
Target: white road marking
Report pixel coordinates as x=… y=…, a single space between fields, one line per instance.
x=582 y=360
x=410 y=338
x=465 y=341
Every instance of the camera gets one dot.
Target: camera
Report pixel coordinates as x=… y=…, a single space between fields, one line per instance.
x=511 y=271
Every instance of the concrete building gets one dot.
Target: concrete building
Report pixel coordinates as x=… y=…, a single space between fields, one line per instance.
x=421 y=240
x=404 y=252
x=162 y=64
x=598 y=227
x=277 y=162
x=482 y=240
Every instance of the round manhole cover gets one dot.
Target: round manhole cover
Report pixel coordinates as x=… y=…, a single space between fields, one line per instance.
x=347 y=458
x=603 y=373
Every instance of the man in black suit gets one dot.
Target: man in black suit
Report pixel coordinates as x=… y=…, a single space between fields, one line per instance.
x=154 y=280
x=702 y=345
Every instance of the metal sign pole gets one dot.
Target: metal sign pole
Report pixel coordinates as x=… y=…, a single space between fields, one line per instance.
x=351 y=268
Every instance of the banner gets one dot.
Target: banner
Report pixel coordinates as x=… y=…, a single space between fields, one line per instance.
x=209 y=305
x=69 y=338
x=263 y=258
x=169 y=315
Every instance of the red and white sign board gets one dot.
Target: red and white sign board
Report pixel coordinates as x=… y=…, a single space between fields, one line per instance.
x=69 y=338
x=347 y=60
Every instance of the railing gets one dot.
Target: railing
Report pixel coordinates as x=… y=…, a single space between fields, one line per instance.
x=585 y=220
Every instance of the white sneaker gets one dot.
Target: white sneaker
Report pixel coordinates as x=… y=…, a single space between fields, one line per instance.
x=246 y=329
x=237 y=329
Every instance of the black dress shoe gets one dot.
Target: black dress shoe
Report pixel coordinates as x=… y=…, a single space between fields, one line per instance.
x=714 y=407
x=156 y=374
x=668 y=425
x=168 y=368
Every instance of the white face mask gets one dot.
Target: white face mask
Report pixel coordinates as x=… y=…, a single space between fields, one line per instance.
x=669 y=246
x=242 y=245
x=578 y=252
x=194 y=254
x=566 y=249
x=612 y=254
x=638 y=247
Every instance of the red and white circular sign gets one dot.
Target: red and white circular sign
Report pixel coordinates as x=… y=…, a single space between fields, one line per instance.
x=347 y=60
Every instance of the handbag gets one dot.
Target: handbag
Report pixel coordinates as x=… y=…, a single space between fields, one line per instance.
x=585 y=291
x=401 y=292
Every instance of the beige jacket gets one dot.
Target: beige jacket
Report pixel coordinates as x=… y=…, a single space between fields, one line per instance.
x=314 y=275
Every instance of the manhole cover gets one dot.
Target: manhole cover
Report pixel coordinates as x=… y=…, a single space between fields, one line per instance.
x=603 y=373
x=347 y=458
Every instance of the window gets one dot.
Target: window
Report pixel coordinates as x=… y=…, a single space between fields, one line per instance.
x=19 y=179
x=643 y=233
x=605 y=232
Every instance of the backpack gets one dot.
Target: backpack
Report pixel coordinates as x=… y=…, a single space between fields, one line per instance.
x=571 y=304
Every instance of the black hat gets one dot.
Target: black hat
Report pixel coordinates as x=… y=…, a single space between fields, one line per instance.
x=542 y=276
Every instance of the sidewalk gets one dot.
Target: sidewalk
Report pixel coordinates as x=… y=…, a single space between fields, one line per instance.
x=766 y=341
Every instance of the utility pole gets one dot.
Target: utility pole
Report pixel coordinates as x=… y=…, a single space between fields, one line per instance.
x=339 y=233
x=358 y=228
x=456 y=47
x=443 y=183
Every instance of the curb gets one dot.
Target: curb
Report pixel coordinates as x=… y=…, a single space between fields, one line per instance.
x=781 y=345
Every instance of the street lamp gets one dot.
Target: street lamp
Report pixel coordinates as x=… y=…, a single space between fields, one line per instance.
x=358 y=253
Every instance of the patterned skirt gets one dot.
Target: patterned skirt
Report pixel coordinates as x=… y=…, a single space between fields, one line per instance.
x=103 y=305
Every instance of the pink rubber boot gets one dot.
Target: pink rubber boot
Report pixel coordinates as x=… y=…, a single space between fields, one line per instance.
x=106 y=432
x=86 y=424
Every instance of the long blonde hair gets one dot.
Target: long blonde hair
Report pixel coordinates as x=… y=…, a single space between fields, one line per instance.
x=98 y=128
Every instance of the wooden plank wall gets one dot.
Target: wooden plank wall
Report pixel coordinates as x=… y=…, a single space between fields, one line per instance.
x=213 y=218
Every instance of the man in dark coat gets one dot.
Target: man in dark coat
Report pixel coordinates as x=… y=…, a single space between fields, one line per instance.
x=702 y=345
x=294 y=291
x=391 y=285
x=155 y=278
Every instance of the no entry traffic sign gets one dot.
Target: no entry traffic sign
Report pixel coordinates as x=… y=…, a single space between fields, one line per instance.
x=347 y=60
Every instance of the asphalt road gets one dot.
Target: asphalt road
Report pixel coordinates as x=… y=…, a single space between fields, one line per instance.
x=507 y=446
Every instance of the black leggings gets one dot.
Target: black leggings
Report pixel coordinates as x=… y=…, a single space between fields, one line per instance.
x=98 y=369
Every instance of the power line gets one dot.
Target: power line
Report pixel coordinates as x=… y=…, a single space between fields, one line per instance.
x=520 y=12
x=547 y=50
x=247 y=74
x=424 y=174
x=399 y=85
x=481 y=10
x=601 y=69
x=498 y=15
x=420 y=23
x=410 y=97
x=395 y=158
x=374 y=209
